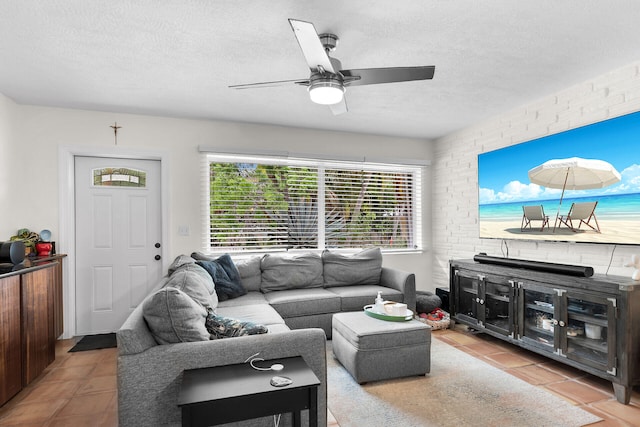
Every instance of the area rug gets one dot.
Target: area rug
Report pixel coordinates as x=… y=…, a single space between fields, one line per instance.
x=459 y=391
x=95 y=342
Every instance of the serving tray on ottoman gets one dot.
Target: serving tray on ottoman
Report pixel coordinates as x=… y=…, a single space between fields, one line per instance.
x=369 y=311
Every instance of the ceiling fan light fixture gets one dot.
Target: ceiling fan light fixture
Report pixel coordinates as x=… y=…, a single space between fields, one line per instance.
x=326 y=91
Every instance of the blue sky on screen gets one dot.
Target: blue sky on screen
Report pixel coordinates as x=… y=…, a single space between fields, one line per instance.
x=502 y=174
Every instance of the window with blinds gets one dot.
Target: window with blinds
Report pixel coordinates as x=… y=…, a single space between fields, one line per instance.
x=263 y=203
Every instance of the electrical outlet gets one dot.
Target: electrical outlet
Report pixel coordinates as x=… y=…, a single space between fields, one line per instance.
x=183 y=230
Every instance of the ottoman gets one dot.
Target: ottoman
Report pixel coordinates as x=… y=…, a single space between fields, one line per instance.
x=372 y=349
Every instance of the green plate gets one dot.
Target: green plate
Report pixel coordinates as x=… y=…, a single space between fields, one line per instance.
x=368 y=310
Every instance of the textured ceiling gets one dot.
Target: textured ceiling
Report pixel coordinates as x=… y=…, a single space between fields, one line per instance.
x=176 y=58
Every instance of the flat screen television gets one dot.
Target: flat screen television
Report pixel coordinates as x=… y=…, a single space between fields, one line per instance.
x=512 y=178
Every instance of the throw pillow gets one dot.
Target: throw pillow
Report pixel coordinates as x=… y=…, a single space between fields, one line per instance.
x=225 y=277
x=196 y=282
x=180 y=261
x=172 y=317
x=250 y=273
x=227 y=327
x=280 y=272
x=363 y=268
x=201 y=256
x=248 y=268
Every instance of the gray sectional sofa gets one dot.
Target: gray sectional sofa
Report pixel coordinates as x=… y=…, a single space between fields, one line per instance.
x=293 y=295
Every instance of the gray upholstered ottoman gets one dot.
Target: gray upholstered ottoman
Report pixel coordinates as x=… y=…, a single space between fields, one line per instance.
x=372 y=349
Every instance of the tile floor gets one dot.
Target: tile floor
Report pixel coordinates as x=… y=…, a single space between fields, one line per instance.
x=79 y=389
x=589 y=392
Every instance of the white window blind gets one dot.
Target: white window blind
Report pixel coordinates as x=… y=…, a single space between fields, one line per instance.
x=276 y=203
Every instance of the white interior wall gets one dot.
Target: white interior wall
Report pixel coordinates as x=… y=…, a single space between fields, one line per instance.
x=32 y=163
x=455 y=185
x=7 y=108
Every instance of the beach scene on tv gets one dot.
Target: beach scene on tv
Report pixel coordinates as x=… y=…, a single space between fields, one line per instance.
x=581 y=185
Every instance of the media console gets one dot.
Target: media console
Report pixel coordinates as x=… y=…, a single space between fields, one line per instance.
x=584 y=322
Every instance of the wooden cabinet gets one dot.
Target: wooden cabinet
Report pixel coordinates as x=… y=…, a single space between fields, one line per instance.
x=10 y=338
x=587 y=323
x=38 y=340
x=28 y=328
x=58 y=317
x=58 y=314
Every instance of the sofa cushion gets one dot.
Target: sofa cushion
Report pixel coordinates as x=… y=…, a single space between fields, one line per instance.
x=229 y=327
x=225 y=277
x=362 y=268
x=173 y=316
x=354 y=298
x=194 y=281
x=258 y=313
x=291 y=271
x=250 y=273
x=303 y=302
x=249 y=298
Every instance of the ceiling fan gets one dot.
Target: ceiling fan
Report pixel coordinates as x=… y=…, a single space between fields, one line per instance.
x=328 y=80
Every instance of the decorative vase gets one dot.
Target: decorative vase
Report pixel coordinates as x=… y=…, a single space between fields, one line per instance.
x=43 y=248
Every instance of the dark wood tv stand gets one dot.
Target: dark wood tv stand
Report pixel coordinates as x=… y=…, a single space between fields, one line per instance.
x=588 y=323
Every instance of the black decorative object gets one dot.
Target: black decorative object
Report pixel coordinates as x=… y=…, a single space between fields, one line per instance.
x=571 y=270
x=426 y=302
x=12 y=252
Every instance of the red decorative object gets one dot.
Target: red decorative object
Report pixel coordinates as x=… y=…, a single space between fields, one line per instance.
x=437 y=319
x=43 y=248
x=436 y=315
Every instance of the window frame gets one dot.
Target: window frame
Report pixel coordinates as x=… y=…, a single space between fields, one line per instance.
x=320 y=163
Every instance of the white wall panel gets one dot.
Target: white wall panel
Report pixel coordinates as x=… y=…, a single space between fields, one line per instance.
x=137 y=212
x=103 y=220
x=40 y=131
x=138 y=284
x=102 y=288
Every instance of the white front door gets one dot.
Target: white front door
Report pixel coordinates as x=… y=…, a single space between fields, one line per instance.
x=118 y=228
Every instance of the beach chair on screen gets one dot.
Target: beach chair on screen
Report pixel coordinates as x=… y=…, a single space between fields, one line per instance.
x=533 y=213
x=582 y=213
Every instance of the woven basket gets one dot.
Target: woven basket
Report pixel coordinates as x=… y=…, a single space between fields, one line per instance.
x=436 y=324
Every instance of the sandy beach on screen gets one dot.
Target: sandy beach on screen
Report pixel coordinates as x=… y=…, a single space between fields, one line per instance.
x=612 y=231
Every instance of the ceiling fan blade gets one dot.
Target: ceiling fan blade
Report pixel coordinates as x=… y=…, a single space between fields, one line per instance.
x=372 y=76
x=270 y=84
x=340 y=107
x=311 y=46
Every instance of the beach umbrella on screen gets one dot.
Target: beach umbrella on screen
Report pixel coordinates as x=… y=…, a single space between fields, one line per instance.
x=574 y=173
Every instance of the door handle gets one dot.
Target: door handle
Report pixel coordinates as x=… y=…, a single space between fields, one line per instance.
x=158 y=257
x=157 y=245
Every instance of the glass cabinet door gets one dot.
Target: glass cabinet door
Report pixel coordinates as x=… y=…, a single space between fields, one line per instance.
x=498 y=302
x=539 y=313
x=590 y=331
x=467 y=296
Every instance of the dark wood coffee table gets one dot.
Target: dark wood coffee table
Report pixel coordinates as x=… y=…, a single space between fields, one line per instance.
x=223 y=394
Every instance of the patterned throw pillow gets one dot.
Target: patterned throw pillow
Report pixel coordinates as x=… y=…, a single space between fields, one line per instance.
x=227 y=327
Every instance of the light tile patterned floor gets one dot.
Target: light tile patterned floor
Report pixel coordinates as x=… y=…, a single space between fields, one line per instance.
x=79 y=389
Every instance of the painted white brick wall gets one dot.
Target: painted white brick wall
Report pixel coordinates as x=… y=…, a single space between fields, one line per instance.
x=455 y=186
